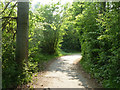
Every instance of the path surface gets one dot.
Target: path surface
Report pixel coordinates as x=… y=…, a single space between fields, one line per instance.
x=64 y=73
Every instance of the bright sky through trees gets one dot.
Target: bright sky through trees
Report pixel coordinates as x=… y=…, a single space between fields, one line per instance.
x=48 y=1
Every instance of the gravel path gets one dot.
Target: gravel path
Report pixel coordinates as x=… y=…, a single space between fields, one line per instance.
x=65 y=73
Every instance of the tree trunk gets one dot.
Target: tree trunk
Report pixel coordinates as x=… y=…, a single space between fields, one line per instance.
x=22 y=33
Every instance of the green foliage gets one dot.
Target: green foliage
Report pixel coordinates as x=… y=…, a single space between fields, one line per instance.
x=8 y=48
x=46 y=33
x=92 y=28
x=70 y=40
x=99 y=33
x=71 y=37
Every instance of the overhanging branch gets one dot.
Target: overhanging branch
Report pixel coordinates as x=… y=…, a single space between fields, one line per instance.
x=5 y=7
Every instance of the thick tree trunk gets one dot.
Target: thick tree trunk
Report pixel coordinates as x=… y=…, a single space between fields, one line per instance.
x=22 y=33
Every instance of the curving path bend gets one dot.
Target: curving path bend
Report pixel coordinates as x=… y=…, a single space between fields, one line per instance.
x=65 y=73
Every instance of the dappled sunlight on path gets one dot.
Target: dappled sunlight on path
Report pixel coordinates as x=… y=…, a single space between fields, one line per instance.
x=64 y=73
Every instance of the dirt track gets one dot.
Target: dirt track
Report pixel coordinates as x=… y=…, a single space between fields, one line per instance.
x=64 y=73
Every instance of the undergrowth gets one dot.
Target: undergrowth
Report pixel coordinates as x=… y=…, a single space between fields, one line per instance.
x=35 y=64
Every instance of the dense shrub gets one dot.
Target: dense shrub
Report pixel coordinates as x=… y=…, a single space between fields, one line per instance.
x=99 y=34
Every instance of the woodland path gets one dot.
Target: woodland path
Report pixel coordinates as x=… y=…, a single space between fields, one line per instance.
x=65 y=72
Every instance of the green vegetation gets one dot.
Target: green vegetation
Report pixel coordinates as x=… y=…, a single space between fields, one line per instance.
x=71 y=40
x=54 y=29
x=99 y=35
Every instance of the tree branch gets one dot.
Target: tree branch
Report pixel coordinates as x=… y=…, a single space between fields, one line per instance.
x=5 y=23
x=5 y=7
x=9 y=17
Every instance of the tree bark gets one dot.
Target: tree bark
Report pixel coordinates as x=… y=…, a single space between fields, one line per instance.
x=22 y=33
